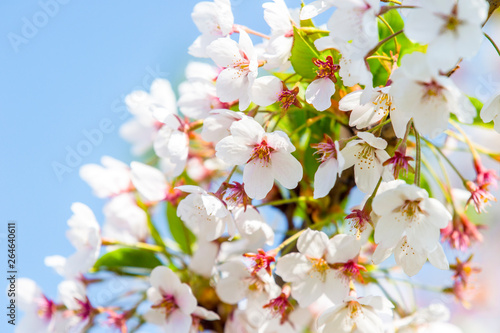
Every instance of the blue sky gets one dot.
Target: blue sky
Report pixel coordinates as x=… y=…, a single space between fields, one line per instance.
x=61 y=80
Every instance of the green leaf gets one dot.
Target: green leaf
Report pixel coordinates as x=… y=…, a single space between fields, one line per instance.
x=303 y=52
x=127 y=257
x=181 y=234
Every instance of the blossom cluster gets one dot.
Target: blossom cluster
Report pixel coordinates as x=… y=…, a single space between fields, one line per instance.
x=257 y=166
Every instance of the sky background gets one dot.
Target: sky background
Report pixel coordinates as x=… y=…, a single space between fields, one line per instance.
x=65 y=77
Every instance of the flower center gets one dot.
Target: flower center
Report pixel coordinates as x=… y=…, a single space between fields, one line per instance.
x=432 y=89
x=326 y=68
x=354 y=309
x=85 y=308
x=320 y=266
x=242 y=65
x=46 y=308
x=288 y=97
x=167 y=303
x=452 y=22
x=262 y=152
x=383 y=103
x=411 y=209
x=325 y=149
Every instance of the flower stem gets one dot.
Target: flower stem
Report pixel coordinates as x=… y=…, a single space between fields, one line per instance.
x=492 y=43
x=418 y=157
x=138 y=245
x=381 y=18
x=238 y=27
x=385 y=9
x=430 y=144
x=286 y=201
x=383 y=41
x=289 y=240
x=473 y=151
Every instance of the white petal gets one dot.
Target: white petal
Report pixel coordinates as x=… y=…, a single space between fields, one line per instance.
x=343 y=248
x=258 y=178
x=313 y=243
x=389 y=229
x=231 y=152
x=438 y=259
x=293 y=267
x=149 y=181
x=325 y=177
x=319 y=93
x=266 y=90
x=286 y=169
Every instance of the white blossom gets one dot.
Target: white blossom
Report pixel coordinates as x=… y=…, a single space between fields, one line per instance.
x=491 y=110
x=408 y=225
x=266 y=156
x=310 y=270
x=368 y=107
x=173 y=301
x=237 y=283
x=204 y=213
x=213 y=19
x=108 y=180
x=357 y=315
x=240 y=64
x=453 y=29
x=420 y=93
x=367 y=155
x=84 y=234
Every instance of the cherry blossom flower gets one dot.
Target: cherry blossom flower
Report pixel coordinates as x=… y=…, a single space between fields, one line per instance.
x=311 y=271
x=216 y=126
x=204 y=213
x=235 y=196
x=461 y=232
x=124 y=220
x=431 y=319
x=315 y=8
x=420 y=93
x=400 y=162
x=267 y=90
x=479 y=196
x=40 y=313
x=85 y=236
x=409 y=225
x=367 y=155
x=108 y=180
x=172 y=144
x=491 y=110
x=73 y=294
x=237 y=283
x=173 y=301
x=364 y=113
x=198 y=94
x=353 y=67
x=279 y=47
x=252 y=227
x=266 y=156
x=147 y=109
x=320 y=91
x=213 y=20
x=332 y=164
x=453 y=29
x=240 y=64
x=355 y=315
x=355 y=22
x=149 y=182
x=204 y=258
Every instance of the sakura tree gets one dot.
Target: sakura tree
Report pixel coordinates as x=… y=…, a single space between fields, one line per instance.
x=273 y=193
